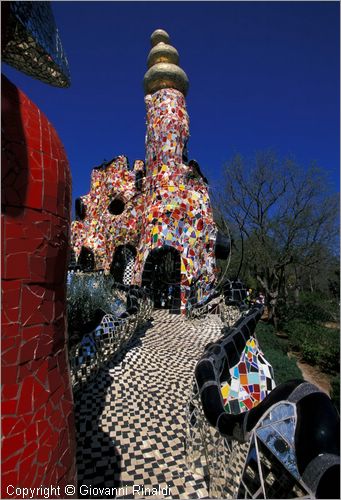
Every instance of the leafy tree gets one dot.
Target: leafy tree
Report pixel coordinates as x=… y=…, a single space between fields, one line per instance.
x=286 y=219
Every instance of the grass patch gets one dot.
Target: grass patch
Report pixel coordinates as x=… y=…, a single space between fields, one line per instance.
x=318 y=345
x=275 y=351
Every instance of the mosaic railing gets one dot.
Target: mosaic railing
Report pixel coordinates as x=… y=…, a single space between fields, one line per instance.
x=250 y=439
x=229 y=314
x=212 y=304
x=228 y=300
x=98 y=346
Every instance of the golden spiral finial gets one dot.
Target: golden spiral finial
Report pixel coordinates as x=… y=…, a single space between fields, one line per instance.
x=163 y=63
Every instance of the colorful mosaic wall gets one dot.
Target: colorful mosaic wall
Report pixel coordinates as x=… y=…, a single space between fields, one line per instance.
x=38 y=447
x=251 y=379
x=169 y=207
x=100 y=231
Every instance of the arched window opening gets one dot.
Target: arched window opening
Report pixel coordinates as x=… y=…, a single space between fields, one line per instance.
x=80 y=209
x=86 y=260
x=116 y=206
x=162 y=275
x=122 y=264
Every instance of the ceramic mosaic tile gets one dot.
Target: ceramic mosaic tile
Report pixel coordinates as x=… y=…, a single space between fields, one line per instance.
x=251 y=379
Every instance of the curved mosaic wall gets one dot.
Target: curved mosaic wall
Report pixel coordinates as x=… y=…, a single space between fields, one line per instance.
x=251 y=439
x=99 y=346
x=38 y=447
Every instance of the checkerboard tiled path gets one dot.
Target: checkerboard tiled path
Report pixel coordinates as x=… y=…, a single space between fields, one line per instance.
x=131 y=420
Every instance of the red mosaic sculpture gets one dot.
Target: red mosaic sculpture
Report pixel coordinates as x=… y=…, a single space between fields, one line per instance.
x=38 y=443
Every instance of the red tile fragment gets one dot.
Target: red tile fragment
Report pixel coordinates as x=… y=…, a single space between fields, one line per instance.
x=44 y=454
x=40 y=395
x=12 y=425
x=17 y=266
x=12 y=445
x=42 y=372
x=9 y=391
x=9 y=372
x=31 y=433
x=8 y=478
x=27 y=350
x=8 y=407
x=11 y=355
x=8 y=465
x=25 y=404
x=26 y=465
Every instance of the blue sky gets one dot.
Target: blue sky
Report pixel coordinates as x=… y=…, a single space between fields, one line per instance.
x=262 y=75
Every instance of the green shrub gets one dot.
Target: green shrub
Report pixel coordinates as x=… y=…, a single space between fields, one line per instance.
x=275 y=352
x=311 y=353
x=85 y=294
x=284 y=368
x=319 y=345
x=312 y=308
x=329 y=357
x=298 y=332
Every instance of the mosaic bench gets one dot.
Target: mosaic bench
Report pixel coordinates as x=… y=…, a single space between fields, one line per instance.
x=251 y=439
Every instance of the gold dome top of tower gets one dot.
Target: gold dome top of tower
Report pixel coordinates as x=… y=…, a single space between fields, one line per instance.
x=163 y=63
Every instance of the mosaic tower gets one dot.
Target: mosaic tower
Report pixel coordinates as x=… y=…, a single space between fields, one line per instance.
x=153 y=225
x=180 y=215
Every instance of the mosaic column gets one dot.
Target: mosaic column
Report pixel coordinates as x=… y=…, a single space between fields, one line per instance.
x=178 y=212
x=38 y=442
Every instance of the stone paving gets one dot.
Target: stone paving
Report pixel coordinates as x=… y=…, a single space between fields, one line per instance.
x=131 y=421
